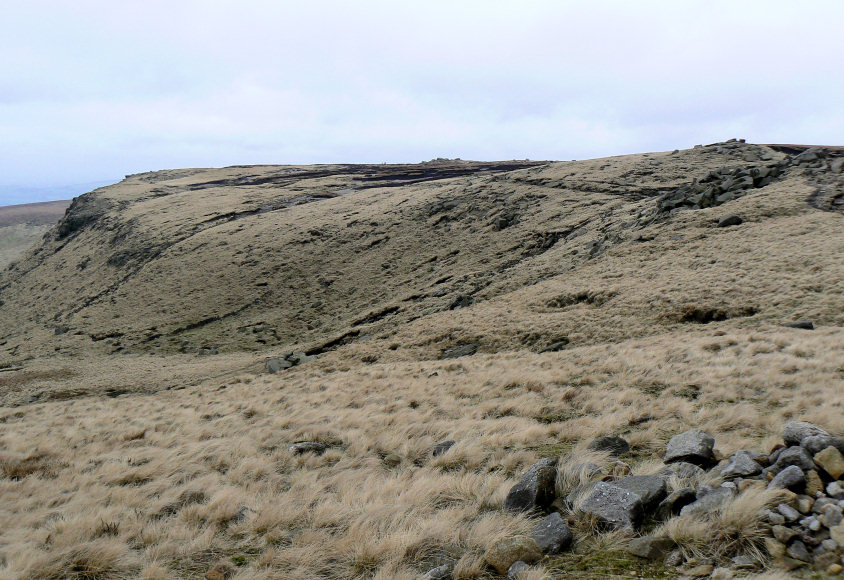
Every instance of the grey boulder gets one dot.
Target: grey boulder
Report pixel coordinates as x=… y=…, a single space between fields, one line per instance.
x=307 y=447
x=439 y=573
x=516 y=570
x=442 y=447
x=651 y=489
x=552 y=535
x=742 y=464
x=693 y=446
x=814 y=444
x=613 y=506
x=730 y=219
x=794 y=432
x=793 y=456
x=676 y=501
x=614 y=444
x=708 y=500
x=535 y=489
x=792 y=477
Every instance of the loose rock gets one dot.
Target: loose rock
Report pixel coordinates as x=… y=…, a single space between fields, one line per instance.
x=441 y=448
x=650 y=547
x=507 y=551
x=742 y=464
x=650 y=488
x=831 y=460
x=709 y=502
x=516 y=570
x=535 y=489
x=791 y=477
x=675 y=502
x=307 y=447
x=729 y=220
x=794 y=432
x=693 y=446
x=439 y=573
x=552 y=535
x=613 y=506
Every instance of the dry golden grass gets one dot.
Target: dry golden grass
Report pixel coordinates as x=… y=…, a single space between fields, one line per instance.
x=120 y=458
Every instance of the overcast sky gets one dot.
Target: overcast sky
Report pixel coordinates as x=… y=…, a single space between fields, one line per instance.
x=91 y=90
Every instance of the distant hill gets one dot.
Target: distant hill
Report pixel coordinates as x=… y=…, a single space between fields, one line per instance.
x=23 y=225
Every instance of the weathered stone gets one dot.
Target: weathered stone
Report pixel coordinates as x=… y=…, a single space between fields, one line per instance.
x=552 y=535
x=821 y=503
x=676 y=501
x=275 y=365
x=794 y=432
x=536 y=487
x=517 y=570
x=836 y=533
x=392 y=460
x=613 y=506
x=831 y=460
x=817 y=443
x=835 y=569
x=682 y=470
x=804 y=504
x=814 y=484
x=783 y=534
x=774 y=547
x=832 y=516
x=307 y=447
x=789 y=513
x=650 y=547
x=439 y=573
x=709 y=502
x=614 y=444
x=798 y=551
x=791 y=477
x=835 y=489
x=793 y=456
x=742 y=464
x=674 y=559
x=442 y=447
x=837 y=165
x=774 y=518
x=730 y=219
x=744 y=562
x=505 y=552
x=693 y=446
x=650 y=488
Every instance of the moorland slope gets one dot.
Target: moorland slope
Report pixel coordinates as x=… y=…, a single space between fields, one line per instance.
x=518 y=308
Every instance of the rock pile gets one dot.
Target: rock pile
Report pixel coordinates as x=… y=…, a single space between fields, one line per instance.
x=729 y=183
x=289 y=360
x=806 y=529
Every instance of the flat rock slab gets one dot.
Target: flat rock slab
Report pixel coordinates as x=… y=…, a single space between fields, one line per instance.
x=652 y=489
x=614 y=444
x=794 y=432
x=693 y=446
x=742 y=464
x=613 y=506
x=831 y=460
x=709 y=502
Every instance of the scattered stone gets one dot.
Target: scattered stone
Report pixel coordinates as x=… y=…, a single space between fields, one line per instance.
x=832 y=516
x=729 y=220
x=650 y=547
x=744 y=562
x=614 y=444
x=682 y=470
x=817 y=443
x=552 y=535
x=307 y=447
x=836 y=533
x=392 y=460
x=693 y=446
x=835 y=569
x=289 y=360
x=516 y=570
x=776 y=519
x=814 y=484
x=783 y=534
x=535 y=489
x=742 y=464
x=801 y=324
x=798 y=551
x=709 y=502
x=774 y=547
x=835 y=490
x=459 y=351
x=439 y=573
x=789 y=478
x=821 y=503
x=831 y=460
x=442 y=447
x=613 y=506
x=676 y=501
x=674 y=559
x=504 y=553
x=789 y=513
x=804 y=504
x=650 y=488
x=793 y=456
x=794 y=432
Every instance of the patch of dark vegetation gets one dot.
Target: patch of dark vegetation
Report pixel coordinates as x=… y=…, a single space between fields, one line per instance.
x=39 y=464
x=339 y=341
x=83 y=211
x=584 y=297
x=376 y=316
x=541 y=242
x=20 y=379
x=457 y=351
x=707 y=315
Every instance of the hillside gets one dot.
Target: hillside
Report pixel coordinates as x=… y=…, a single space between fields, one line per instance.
x=520 y=308
x=21 y=226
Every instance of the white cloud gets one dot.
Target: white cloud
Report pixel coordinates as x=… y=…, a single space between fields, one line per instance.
x=93 y=89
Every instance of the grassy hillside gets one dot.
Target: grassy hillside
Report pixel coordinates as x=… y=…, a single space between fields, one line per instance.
x=143 y=437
